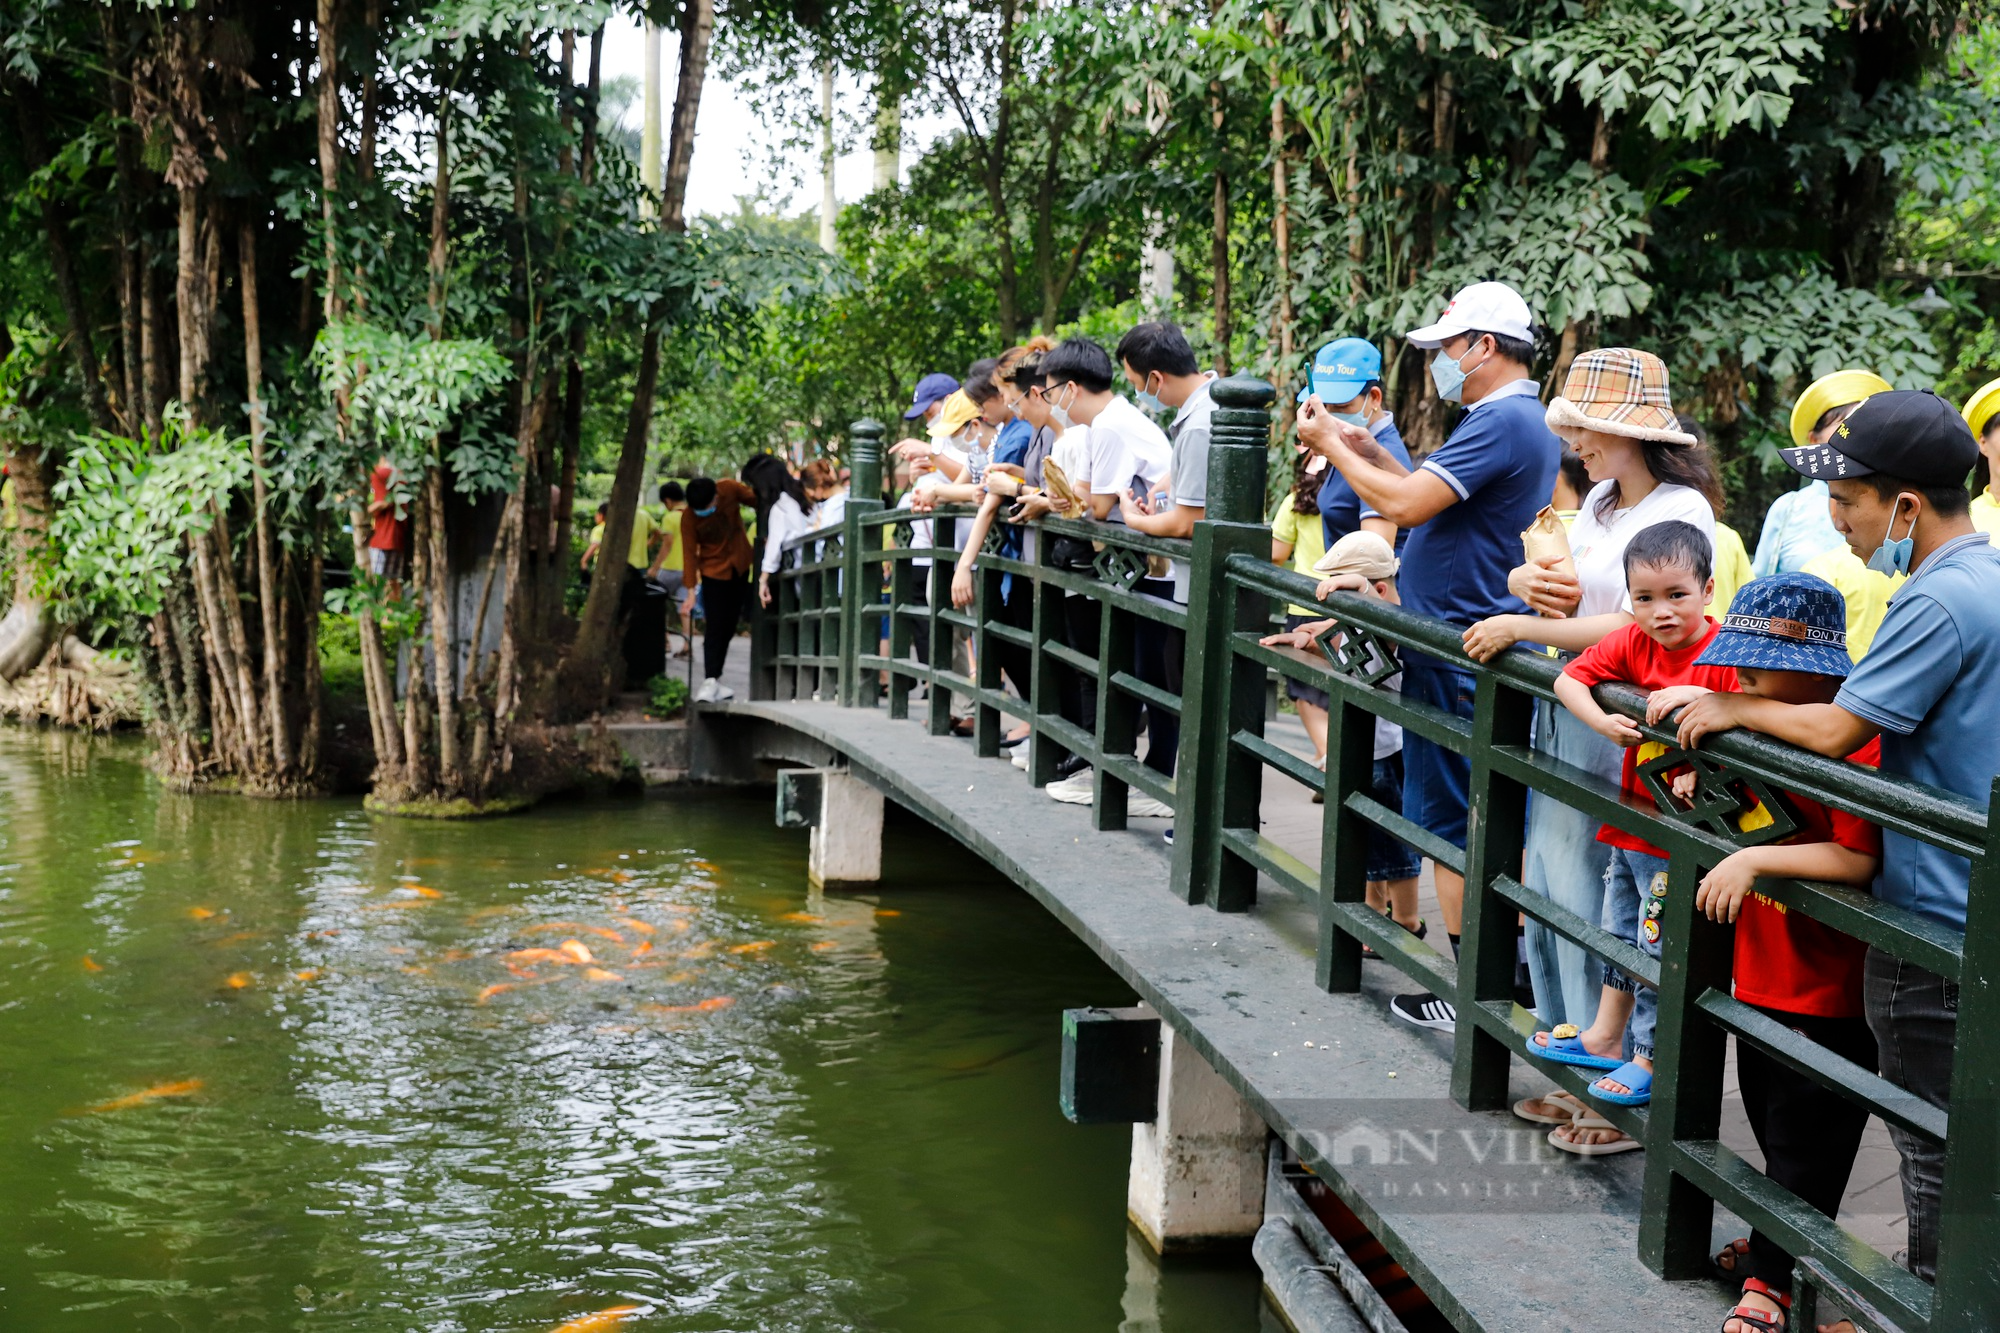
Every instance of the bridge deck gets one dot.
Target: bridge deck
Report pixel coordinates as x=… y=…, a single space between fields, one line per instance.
x=1502 y=1232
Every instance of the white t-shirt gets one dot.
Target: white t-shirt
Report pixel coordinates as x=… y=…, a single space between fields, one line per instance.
x=1599 y=544
x=785 y=521
x=1125 y=444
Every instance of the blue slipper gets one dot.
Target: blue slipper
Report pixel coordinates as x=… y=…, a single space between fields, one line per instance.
x=1566 y=1048
x=1634 y=1076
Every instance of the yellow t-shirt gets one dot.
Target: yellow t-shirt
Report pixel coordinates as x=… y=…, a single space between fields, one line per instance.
x=1866 y=591
x=1732 y=569
x=670 y=524
x=1986 y=513
x=1307 y=535
x=643 y=528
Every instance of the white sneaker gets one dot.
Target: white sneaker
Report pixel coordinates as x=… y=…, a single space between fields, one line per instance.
x=1073 y=790
x=706 y=694
x=722 y=693
x=1020 y=758
x=1138 y=805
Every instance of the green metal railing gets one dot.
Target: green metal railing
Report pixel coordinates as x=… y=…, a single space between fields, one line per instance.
x=821 y=642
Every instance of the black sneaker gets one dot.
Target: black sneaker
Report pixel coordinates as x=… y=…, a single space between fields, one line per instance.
x=1425 y=1010
x=1167 y=837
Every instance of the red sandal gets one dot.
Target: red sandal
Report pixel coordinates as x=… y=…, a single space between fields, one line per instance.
x=1749 y=1320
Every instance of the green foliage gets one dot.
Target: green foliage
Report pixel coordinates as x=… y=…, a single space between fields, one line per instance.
x=125 y=509
x=666 y=696
x=405 y=393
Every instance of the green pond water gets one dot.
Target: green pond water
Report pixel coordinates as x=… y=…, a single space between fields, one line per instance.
x=259 y=1074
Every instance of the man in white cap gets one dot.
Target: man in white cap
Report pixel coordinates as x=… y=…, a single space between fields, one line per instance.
x=1465 y=507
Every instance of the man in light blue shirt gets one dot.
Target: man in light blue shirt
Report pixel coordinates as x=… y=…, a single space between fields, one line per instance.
x=1930 y=688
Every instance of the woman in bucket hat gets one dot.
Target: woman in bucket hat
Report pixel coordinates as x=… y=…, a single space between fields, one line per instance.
x=1616 y=411
x=1786 y=637
x=1982 y=413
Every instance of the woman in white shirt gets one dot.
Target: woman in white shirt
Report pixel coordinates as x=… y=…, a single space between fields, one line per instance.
x=1616 y=413
x=788 y=518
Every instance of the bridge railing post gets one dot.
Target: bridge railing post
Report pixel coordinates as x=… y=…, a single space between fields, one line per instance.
x=860 y=557
x=1218 y=785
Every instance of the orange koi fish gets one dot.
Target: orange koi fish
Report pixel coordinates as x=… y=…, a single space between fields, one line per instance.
x=91 y=964
x=601 y=974
x=239 y=980
x=540 y=956
x=202 y=913
x=596 y=1323
x=494 y=990
x=631 y=924
x=887 y=911
x=309 y=974
x=577 y=950
x=238 y=937
x=822 y=946
x=710 y=1005
x=187 y=1087
x=645 y=947
x=423 y=891
x=806 y=917
x=754 y=946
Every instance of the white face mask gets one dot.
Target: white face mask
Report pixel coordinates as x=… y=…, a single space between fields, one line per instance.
x=1060 y=411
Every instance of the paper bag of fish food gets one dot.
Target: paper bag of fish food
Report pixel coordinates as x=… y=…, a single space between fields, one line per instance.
x=1547 y=537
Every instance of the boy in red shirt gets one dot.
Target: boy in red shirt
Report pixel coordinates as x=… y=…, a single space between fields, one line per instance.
x=1786 y=639
x=1667 y=570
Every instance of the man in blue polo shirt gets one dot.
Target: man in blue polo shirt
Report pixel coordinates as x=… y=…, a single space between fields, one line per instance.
x=1465 y=507
x=1347 y=380
x=1930 y=688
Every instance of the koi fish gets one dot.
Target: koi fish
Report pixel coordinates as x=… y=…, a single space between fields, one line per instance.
x=806 y=917
x=702 y=950
x=91 y=964
x=187 y=1087
x=577 y=950
x=621 y=877
x=238 y=937
x=631 y=924
x=239 y=980
x=822 y=946
x=887 y=911
x=498 y=909
x=600 y=974
x=202 y=913
x=494 y=990
x=679 y=927
x=541 y=956
x=645 y=947
x=596 y=1323
x=708 y=866
x=423 y=891
x=754 y=946
x=309 y=974
x=710 y=1005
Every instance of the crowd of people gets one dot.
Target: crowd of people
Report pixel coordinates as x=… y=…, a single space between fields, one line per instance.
x=1857 y=630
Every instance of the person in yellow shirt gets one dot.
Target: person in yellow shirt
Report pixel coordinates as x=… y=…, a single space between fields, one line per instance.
x=1298 y=540
x=1982 y=413
x=643 y=531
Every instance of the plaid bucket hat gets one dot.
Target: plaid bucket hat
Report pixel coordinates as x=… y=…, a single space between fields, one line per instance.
x=1620 y=391
x=1783 y=622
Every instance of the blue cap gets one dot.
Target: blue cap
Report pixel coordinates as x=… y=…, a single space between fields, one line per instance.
x=934 y=388
x=1342 y=369
x=1783 y=622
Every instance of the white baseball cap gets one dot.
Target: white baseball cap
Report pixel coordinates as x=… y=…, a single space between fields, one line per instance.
x=1489 y=307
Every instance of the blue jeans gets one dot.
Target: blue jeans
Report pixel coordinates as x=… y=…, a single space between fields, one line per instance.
x=1389 y=858
x=1435 y=780
x=1635 y=894
x=1565 y=863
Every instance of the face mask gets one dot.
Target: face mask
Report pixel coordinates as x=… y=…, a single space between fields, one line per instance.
x=1893 y=556
x=1351 y=418
x=1060 y=413
x=1151 y=401
x=704 y=513
x=1449 y=376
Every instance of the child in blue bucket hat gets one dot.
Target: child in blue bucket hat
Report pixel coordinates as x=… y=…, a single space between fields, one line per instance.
x=1786 y=636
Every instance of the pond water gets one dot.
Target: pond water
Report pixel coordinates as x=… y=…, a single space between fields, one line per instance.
x=291 y=1066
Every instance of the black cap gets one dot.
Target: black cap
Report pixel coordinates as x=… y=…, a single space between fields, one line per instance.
x=1910 y=434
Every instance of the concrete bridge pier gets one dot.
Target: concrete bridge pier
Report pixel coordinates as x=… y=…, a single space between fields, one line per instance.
x=846 y=845
x=1197 y=1178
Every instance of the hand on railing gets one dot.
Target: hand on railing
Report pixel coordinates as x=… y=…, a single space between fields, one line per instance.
x=1548 y=591
x=961 y=587
x=1300 y=638
x=1489 y=638
x=1661 y=704
x=1031 y=508
x=764 y=589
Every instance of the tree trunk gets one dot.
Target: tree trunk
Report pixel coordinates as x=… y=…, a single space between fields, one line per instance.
x=125 y=157
x=371 y=22
x=56 y=221
x=1219 y=210
x=267 y=558
x=152 y=350
x=192 y=298
x=436 y=560
x=586 y=671
x=697 y=32
x=329 y=145
x=29 y=628
x=1281 y=205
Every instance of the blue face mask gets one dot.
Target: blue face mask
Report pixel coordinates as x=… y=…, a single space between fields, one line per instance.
x=1351 y=418
x=1892 y=557
x=704 y=513
x=1449 y=376
x=1151 y=401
